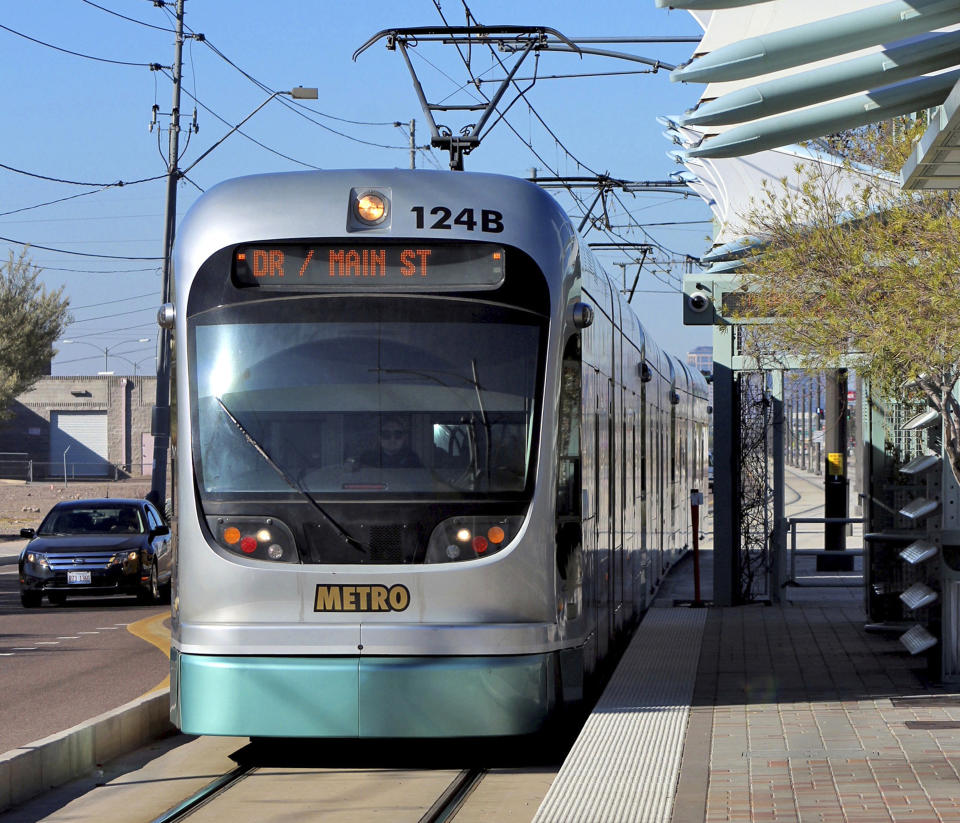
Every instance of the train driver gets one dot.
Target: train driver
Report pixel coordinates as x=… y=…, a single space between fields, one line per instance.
x=394 y=451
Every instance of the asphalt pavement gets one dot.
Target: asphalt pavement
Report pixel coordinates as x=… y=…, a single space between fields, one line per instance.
x=61 y=665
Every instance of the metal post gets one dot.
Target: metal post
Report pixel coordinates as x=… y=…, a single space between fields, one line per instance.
x=160 y=425
x=696 y=500
x=726 y=482
x=835 y=485
x=778 y=537
x=413 y=144
x=65 y=466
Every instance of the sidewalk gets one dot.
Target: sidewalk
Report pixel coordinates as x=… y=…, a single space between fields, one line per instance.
x=10 y=550
x=798 y=714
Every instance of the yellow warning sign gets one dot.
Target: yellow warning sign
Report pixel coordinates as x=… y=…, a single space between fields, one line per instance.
x=835 y=463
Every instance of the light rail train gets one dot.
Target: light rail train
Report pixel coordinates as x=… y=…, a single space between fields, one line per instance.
x=431 y=468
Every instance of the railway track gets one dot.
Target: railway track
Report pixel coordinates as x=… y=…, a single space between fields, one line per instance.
x=443 y=809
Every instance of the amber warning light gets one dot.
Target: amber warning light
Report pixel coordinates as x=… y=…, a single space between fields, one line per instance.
x=387 y=267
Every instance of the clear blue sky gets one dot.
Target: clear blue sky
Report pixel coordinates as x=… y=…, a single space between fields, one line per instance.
x=84 y=120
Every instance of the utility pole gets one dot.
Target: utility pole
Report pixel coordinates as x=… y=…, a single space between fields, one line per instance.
x=160 y=423
x=413 y=144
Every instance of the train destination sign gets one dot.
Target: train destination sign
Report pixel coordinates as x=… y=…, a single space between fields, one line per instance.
x=370 y=267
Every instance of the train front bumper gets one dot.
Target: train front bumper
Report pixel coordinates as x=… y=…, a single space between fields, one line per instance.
x=360 y=696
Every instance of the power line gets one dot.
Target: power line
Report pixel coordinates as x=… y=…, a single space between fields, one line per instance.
x=152 y=66
x=103 y=333
x=79 y=182
x=49 y=202
x=109 y=316
x=96 y=271
x=131 y=19
x=109 y=302
x=78 y=253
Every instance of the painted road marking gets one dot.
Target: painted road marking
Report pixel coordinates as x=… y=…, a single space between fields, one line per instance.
x=48 y=642
x=88 y=632
x=69 y=637
x=153 y=631
x=24 y=648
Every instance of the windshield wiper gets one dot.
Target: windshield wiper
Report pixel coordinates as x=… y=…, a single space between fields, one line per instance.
x=291 y=482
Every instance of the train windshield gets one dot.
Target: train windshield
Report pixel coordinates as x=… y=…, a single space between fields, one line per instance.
x=359 y=397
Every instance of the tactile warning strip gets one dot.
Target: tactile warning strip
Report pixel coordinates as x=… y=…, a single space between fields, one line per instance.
x=625 y=763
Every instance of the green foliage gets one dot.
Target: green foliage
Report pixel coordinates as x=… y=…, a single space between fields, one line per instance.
x=873 y=274
x=31 y=319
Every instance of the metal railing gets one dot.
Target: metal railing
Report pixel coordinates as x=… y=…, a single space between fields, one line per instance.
x=36 y=470
x=793 y=522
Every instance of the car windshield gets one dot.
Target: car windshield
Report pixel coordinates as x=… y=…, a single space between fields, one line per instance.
x=440 y=403
x=93 y=520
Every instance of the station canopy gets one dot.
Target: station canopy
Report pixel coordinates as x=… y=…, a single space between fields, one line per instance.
x=779 y=72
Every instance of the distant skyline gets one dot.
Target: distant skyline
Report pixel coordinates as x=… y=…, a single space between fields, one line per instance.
x=91 y=109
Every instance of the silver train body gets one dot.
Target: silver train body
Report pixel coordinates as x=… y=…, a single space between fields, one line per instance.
x=472 y=588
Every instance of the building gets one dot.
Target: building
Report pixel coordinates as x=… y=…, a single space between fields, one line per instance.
x=701 y=358
x=86 y=426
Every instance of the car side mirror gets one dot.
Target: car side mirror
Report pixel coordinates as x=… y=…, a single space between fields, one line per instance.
x=160 y=531
x=28 y=533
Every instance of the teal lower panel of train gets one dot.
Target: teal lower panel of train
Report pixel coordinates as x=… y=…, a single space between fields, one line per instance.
x=375 y=697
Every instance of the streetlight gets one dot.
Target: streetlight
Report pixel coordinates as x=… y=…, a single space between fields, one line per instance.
x=298 y=93
x=106 y=349
x=136 y=365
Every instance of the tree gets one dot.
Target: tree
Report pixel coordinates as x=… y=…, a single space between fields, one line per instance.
x=31 y=319
x=874 y=275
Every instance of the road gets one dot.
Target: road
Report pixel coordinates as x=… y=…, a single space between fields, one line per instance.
x=62 y=665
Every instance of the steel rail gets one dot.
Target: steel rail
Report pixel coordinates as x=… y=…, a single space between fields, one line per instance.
x=204 y=795
x=449 y=803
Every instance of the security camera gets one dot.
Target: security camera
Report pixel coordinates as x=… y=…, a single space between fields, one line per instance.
x=699 y=301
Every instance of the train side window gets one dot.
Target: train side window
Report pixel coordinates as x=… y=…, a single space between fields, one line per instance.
x=568 y=433
x=569 y=537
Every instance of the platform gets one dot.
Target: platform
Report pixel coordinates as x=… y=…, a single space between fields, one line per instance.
x=786 y=712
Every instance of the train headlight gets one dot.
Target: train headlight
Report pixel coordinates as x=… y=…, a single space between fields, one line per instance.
x=467 y=538
x=371 y=207
x=262 y=538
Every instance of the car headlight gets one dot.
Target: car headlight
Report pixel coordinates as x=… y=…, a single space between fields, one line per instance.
x=124 y=557
x=263 y=538
x=467 y=538
x=37 y=559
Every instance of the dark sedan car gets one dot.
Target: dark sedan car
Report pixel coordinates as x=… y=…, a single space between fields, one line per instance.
x=96 y=547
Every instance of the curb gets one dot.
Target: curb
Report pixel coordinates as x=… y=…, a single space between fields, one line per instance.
x=38 y=767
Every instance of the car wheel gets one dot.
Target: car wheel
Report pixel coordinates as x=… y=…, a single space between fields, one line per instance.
x=30 y=600
x=152 y=593
x=57 y=598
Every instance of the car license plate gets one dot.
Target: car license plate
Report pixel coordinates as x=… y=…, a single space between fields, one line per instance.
x=78 y=577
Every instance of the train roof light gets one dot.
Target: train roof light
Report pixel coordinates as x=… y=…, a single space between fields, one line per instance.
x=371 y=208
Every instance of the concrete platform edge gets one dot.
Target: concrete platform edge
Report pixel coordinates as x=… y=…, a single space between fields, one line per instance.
x=37 y=767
